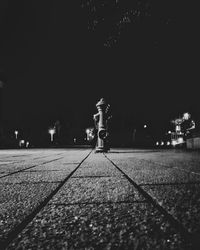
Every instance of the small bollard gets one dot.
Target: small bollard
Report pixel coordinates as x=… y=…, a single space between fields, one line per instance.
x=100 y=120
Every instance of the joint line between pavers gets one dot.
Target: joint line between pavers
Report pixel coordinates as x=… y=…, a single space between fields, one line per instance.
x=18 y=229
x=152 y=200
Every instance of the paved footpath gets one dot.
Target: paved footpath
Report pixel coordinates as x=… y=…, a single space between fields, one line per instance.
x=79 y=199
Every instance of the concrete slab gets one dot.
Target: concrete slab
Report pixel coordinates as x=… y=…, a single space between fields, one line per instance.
x=38 y=176
x=148 y=172
x=102 y=226
x=43 y=157
x=19 y=200
x=96 y=190
x=97 y=165
x=98 y=208
x=169 y=177
x=186 y=160
x=181 y=200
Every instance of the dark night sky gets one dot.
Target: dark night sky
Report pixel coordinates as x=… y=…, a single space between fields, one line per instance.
x=58 y=63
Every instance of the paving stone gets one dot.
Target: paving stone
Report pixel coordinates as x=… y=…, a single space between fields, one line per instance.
x=19 y=200
x=104 y=226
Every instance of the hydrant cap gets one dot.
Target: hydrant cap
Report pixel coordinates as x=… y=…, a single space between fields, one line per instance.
x=101 y=102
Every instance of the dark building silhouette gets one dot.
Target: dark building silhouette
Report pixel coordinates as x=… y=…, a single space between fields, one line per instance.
x=3 y=80
x=1 y=102
x=1 y=88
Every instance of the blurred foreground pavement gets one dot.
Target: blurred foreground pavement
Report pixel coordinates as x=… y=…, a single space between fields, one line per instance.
x=79 y=199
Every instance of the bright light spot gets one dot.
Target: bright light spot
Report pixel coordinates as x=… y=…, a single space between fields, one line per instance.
x=145 y=126
x=178 y=128
x=21 y=143
x=169 y=132
x=186 y=116
x=52 y=131
x=162 y=143
x=180 y=140
x=174 y=143
x=168 y=143
x=157 y=143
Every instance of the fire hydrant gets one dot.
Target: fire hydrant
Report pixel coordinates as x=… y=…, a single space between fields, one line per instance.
x=101 y=119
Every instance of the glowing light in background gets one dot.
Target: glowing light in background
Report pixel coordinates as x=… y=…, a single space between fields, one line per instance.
x=52 y=132
x=16 y=134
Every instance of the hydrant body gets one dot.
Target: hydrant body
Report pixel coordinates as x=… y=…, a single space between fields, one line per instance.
x=101 y=126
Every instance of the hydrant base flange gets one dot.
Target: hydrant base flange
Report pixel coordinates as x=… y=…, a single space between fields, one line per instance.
x=103 y=150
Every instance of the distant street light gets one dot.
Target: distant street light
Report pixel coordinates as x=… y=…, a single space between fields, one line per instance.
x=21 y=143
x=52 y=132
x=169 y=132
x=145 y=126
x=16 y=134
